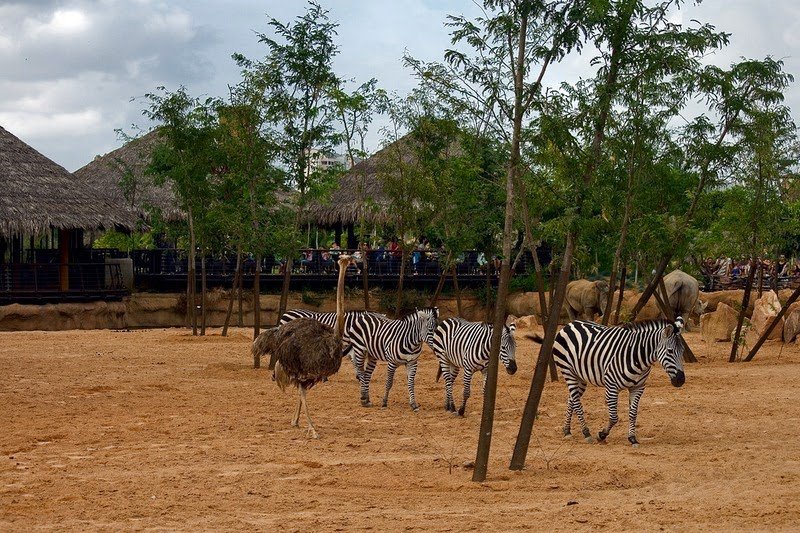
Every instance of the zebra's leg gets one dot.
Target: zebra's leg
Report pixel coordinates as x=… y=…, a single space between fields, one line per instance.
x=576 y=390
x=634 y=395
x=389 y=382
x=467 y=386
x=366 y=377
x=449 y=379
x=572 y=384
x=612 y=395
x=358 y=367
x=411 y=370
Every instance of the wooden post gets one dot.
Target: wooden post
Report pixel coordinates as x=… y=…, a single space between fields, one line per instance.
x=63 y=259
x=766 y=333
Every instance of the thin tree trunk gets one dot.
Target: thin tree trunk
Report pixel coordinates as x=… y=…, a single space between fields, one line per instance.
x=399 y=302
x=232 y=295
x=765 y=335
x=287 y=280
x=365 y=278
x=651 y=287
x=760 y=279
x=622 y=279
x=542 y=363
x=457 y=290
x=748 y=286
x=440 y=285
x=203 y=287
x=240 y=291
x=663 y=304
x=191 y=298
x=257 y=298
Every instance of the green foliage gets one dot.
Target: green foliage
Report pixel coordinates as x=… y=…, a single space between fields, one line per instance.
x=411 y=300
x=125 y=242
x=312 y=298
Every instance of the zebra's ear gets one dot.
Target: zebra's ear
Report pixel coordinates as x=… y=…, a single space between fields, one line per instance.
x=512 y=327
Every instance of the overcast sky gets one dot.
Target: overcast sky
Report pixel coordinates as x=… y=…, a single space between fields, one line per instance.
x=69 y=69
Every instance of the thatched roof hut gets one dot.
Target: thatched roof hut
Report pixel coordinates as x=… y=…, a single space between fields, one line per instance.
x=106 y=174
x=38 y=194
x=361 y=189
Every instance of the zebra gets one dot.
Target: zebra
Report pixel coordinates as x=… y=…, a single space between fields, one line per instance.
x=616 y=358
x=398 y=342
x=329 y=319
x=458 y=343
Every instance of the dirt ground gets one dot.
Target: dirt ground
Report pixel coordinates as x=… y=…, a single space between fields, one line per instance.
x=154 y=429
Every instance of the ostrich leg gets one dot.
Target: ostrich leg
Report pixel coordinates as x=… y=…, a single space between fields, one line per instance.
x=311 y=431
x=296 y=419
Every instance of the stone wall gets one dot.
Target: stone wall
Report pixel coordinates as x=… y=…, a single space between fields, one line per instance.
x=149 y=310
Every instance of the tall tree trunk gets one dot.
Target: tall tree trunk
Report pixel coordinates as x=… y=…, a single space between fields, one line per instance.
x=754 y=350
x=622 y=278
x=203 y=287
x=457 y=290
x=191 y=273
x=545 y=355
x=442 y=277
x=399 y=301
x=287 y=280
x=240 y=291
x=748 y=287
x=257 y=298
x=760 y=279
x=365 y=279
x=234 y=286
x=651 y=286
x=488 y=292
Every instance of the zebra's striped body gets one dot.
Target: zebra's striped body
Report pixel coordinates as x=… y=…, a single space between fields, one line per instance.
x=329 y=319
x=616 y=358
x=459 y=344
x=398 y=342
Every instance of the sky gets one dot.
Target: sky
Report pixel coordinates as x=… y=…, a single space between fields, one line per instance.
x=73 y=71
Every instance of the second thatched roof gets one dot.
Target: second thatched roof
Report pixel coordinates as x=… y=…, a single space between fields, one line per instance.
x=106 y=174
x=360 y=189
x=37 y=194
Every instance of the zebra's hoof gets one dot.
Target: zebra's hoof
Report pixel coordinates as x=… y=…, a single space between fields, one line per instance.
x=366 y=403
x=636 y=445
x=589 y=439
x=461 y=412
x=567 y=435
x=415 y=408
x=385 y=404
x=601 y=437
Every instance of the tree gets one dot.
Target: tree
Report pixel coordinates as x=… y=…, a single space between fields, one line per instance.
x=185 y=157
x=298 y=78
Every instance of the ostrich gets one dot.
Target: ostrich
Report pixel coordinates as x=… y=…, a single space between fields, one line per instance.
x=304 y=352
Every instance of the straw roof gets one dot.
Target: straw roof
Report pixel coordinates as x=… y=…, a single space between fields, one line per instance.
x=38 y=194
x=361 y=189
x=105 y=175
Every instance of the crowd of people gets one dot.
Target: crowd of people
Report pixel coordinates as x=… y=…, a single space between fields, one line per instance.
x=385 y=257
x=725 y=271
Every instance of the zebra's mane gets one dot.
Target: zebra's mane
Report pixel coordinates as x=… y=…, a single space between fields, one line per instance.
x=433 y=310
x=645 y=325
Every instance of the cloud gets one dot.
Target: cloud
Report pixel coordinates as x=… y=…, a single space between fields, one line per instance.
x=70 y=67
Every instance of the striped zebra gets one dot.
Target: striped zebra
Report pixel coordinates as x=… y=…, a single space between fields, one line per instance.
x=329 y=319
x=398 y=342
x=458 y=344
x=616 y=358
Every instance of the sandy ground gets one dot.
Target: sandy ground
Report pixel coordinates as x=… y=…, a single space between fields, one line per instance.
x=158 y=430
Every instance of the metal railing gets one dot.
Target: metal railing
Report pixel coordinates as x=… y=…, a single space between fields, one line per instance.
x=47 y=278
x=310 y=261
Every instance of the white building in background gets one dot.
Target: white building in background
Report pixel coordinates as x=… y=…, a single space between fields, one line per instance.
x=319 y=161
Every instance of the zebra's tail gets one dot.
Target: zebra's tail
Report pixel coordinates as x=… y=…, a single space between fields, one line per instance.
x=438 y=373
x=536 y=338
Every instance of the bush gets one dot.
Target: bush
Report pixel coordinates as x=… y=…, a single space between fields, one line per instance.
x=411 y=300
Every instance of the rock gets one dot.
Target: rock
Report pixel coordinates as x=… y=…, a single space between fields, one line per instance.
x=527 y=322
x=733 y=298
x=791 y=325
x=718 y=325
x=764 y=313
